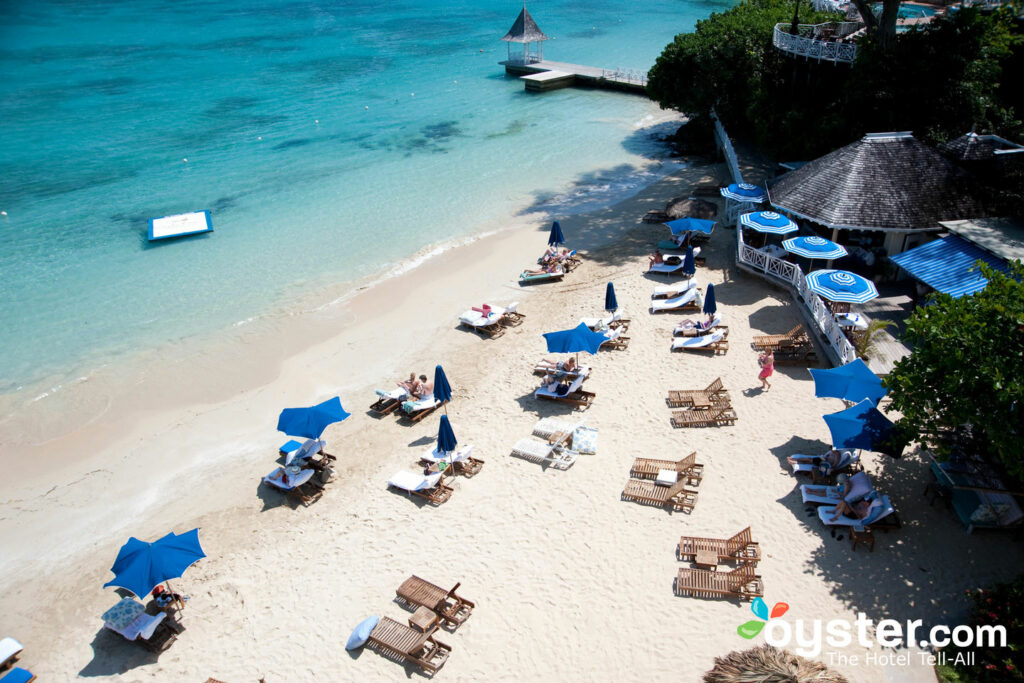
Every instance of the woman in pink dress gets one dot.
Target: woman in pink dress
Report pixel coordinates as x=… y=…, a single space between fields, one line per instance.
x=767 y=362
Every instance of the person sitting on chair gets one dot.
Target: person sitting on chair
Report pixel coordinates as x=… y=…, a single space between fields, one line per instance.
x=696 y=324
x=425 y=389
x=549 y=269
x=655 y=259
x=858 y=510
x=568 y=365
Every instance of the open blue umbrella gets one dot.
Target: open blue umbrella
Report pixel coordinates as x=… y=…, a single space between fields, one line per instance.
x=744 y=192
x=579 y=338
x=556 y=235
x=841 y=285
x=442 y=389
x=311 y=422
x=610 y=302
x=768 y=222
x=141 y=566
x=710 y=306
x=689 y=264
x=446 y=441
x=852 y=382
x=863 y=426
x=812 y=247
x=690 y=225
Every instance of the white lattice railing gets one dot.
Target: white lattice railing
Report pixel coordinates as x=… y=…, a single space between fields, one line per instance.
x=790 y=274
x=806 y=44
x=625 y=76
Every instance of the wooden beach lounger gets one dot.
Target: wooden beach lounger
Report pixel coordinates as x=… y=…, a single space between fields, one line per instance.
x=449 y=607
x=796 y=353
x=9 y=651
x=614 y=339
x=401 y=643
x=741 y=583
x=540 y=369
x=429 y=486
x=687 y=469
x=414 y=411
x=764 y=342
x=17 y=675
x=574 y=395
x=388 y=402
x=611 y=322
x=704 y=417
x=300 y=484
x=715 y=393
x=684 y=303
x=487 y=325
x=646 y=492
x=545 y=453
x=717 y=342
x=672 y=291
x=741 y=548
x=695 y=331
x=526 y=279
x=462 y=461
x=129 y=619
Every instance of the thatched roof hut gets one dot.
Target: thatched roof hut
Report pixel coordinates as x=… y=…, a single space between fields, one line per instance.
x=526 y=31
x=884 y=181
x=973 y=147
x=767 y=664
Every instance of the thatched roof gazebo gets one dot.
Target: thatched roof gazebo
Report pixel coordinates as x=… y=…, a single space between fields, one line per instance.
x=767 y=664
x=888 y=182
x=974 y=147
x=526 y=31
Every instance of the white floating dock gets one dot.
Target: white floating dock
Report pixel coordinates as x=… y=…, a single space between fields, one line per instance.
x=180 y=225
x=548 y=80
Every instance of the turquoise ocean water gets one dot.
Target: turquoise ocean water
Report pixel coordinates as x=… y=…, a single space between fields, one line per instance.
x=306 y=126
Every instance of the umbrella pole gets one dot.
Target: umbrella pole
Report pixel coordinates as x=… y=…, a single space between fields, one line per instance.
x=180 y=603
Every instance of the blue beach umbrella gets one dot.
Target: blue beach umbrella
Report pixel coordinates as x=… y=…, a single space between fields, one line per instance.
x=610 y=302
x=841 y=285
x=710 y=306
x=446 y=441
x=141 y=566
x=311 y=422
x=852 y=382
x=744 y=192
x=690 y=225
x=863 y=426
x=579 y=338
x=689 y=264
x=812 y=247
x=768 y=222
x=442 y=389
x=556 y=235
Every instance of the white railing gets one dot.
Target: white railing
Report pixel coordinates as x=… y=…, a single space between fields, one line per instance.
x=625 y=76
x=791 y=275
x=828 y=5
x=809 y=44
x=724 y=145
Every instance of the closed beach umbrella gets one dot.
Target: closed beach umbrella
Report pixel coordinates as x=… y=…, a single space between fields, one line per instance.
x=689 y=264
x=446 y=441
x=579 y=338
x=768 y=222
x=841 y=285
x=744 y=192
x=311 y=422
x=141 y=566
x=442 y=389
x=710 y=306
x=812 y=247
x=610 y=302
x=690 y=225
x=556 y=235
x=863 y=426
x=852 y=382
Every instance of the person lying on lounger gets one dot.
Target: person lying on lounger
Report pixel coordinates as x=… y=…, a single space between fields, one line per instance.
x=841 y=489
x=858 y=510
x=425 y=389
x=568 y=365
x=549 y=269
x=656 y=258
x=828 y=461
x=695 y=324
x=411 y=385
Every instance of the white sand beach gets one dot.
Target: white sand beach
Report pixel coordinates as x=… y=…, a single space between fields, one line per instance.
x=570 y=582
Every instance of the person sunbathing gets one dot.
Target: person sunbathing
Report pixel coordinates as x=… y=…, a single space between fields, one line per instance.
x=858 y=510
x=842 y=487
x=568 y=365
x=425 y=389
x=655 y=259
x=695 y=324
x=549 y=269
x=411 y=385
x=826 y=461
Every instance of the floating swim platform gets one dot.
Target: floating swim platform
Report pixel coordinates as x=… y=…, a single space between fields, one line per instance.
x=180 y=225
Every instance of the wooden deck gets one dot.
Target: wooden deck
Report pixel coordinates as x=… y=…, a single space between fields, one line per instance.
x=894 y=303
x=576 y=75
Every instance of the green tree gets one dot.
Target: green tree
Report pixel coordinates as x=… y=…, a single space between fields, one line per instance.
x=967 y=367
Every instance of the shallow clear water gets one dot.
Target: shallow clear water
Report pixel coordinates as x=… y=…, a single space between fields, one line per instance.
x=327 y=139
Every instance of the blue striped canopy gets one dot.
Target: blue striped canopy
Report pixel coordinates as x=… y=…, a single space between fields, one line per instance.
x=141 y=566
x=841 y=285
x=556 y=235
x=610 y=302
x=814 y=247
x=744 y=192
x=690 y=225
x=852 y=382
x=862 y=426
x=768 y=221
x=579 y=338
x=948 y=265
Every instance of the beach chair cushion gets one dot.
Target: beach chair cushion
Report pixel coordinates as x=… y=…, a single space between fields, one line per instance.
x=128 y=618
x=676 y=302
x=397 y=394
x=434 y=455
x=9 y=649
x=584 y=440
x=698 y=342
x=308 y=449
x=296 y=477
x=666 y=477
x=550 y=391
x=662 y=291
x=411 y=481
x=421 y=404
x=18 y=675
x=289 y=447
x=362 y=632
x=860 y=487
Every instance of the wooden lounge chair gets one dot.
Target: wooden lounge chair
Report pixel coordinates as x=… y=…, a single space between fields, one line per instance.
x=300 y=484
x=715 y=393
x=389 y=402
x=700 y=329
x=741 y=583
x=716 y=341
x=512 y=317
x=449 y=607
x=461 y=461
x=764 y=342
x=402 y=643
x=704 y=417
x=687 y=469
x=674 y=290
x=611 y=322
x=740 y=548
x=574 y=395
x=540 y=369
x=430 y=486
x=572 y=260
x=489 y=325
x=526 y=279
x=646 y=492
x=615 y=340
x=420 y=409
x=796 y=353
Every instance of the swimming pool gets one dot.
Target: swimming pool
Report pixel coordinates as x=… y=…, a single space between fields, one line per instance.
x=908 y=11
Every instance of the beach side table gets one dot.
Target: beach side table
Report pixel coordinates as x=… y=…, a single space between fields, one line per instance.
x=423 y=620
x=706 y=559
x=859 y=534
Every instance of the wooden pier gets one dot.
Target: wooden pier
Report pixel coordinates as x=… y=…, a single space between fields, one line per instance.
x=543 y=75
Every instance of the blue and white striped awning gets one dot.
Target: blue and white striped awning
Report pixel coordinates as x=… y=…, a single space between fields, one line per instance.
x=947 y=265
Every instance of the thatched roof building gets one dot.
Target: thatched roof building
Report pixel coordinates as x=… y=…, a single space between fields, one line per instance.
x=974 y=147
x=525 y=31
x=885 y=181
